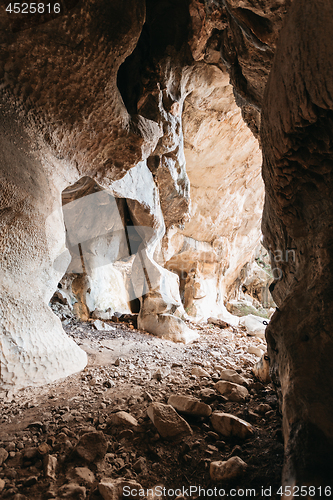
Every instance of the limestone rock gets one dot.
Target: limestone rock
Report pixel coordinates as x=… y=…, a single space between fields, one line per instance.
x=190 y=406
x=261 y=369
x=50 y=463
x=234 y=392
x=102 y=315
x=2 y=484
x=3 y=455
x=233 y=376
x=254 y=350
x=85 y=475
x=199 y=372
x=72 y=490
x=102 y=326
x=122 y=418
x=226 y=470
x=254 y=325
x=211 y=134
x=92 y=446
x=229 y=425
x=116 y=489
x=218 y=322
x=167 y=421
x=168 y=327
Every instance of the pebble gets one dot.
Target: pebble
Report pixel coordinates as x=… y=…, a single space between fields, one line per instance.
x=73 y=490
x=254 y=350
x=233 y=376
x=10 y=447
x=112 y=489
x=101 y=325
x=139 y=465
x=208 y=395
x=263 y=408
x=50 y=463
x=85 y=475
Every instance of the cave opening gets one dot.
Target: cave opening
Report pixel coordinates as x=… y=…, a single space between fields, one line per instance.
x=102 y=241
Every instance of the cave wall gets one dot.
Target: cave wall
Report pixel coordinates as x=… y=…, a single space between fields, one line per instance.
x=63 y=118
x=297 y=148
x=223 y=162
x=279 y=55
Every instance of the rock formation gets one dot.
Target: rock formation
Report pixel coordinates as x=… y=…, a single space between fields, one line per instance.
x=296 y=137
x=100 y=107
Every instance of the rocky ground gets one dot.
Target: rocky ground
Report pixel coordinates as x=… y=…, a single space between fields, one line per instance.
x=118 y=426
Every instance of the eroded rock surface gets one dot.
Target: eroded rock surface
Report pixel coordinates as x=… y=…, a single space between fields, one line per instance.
x=124 y=104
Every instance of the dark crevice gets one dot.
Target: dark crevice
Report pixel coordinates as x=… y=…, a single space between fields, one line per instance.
x=166 y=28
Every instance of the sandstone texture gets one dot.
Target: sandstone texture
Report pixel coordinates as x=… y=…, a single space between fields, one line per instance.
x=130 y=182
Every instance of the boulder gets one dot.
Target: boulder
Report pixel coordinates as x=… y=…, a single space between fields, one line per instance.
x=92 y=446
x=261 y=369
x=122 y=418
x=233 y=376
x=234 y=392
x=167 y=421
x=190 y=406
x=229 y=425
x=255 y=325
x=227 y=470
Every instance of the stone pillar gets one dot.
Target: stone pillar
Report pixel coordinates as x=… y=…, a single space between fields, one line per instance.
x=34 y=349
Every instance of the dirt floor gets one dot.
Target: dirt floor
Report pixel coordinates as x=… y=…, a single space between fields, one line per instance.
x=127 y=371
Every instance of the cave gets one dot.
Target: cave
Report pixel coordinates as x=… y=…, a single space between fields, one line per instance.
x=165 y=194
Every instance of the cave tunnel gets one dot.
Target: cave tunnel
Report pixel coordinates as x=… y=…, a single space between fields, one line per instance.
x=166 y=249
